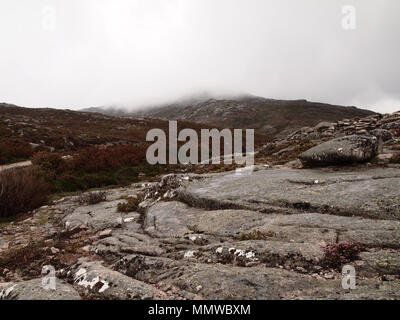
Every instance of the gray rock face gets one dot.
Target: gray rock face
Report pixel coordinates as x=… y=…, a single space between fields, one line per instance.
x=34 y=290
x=127 y=242
x=176 y=219
x=342 y=150
x=98 y=217
x=382 y=262
x=221 y=282
x=372 y=193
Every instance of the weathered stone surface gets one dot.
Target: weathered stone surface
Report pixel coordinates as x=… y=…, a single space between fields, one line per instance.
x=127 y=242
x=372 y=193
x=355 y=148
x=34 y=290
x=97 y=217
x=382 y=262
x=221 y=282
x=176 y=219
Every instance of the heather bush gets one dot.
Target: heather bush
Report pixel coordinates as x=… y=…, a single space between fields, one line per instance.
x=48 y=161
x=21 y=191
x=94 y=159
x=338 y=254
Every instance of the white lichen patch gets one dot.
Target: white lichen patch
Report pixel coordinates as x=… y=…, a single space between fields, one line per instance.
x=250 y=255
x=189 y=254
x=83 y=279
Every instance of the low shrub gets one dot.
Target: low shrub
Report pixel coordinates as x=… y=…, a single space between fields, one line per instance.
x=92 y=197
x=256 y=235
x=21 y=191
x=48 y=161
x=338 y=254
x=130 y=205
x=395 y=158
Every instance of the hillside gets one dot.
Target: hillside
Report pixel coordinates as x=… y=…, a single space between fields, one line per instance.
x=24 y=131
x=269 y=115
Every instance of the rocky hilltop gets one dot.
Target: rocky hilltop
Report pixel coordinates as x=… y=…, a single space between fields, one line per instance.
x=268 y=116
x=281 y=231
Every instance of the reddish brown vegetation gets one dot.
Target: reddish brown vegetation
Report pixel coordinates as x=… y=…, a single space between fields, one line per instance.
x=11 y=151
x=21 y=191
x=92 y=167
x=395 y=158
x=48 y=161
x=338 y=254
x=94 y=159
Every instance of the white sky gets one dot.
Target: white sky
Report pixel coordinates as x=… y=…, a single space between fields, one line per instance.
x=136 y=52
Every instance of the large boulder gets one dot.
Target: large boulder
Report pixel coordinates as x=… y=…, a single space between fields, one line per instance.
x=355 y=148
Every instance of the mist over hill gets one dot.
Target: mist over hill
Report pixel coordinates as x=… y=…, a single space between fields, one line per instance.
x=270 y=116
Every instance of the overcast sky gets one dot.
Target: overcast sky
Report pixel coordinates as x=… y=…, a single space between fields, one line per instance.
x=86 y=53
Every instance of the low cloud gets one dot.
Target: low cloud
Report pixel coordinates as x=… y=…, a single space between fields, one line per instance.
x=127 y=53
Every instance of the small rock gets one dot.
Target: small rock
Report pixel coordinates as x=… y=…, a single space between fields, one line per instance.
x=105 y=233
x=54 y=250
